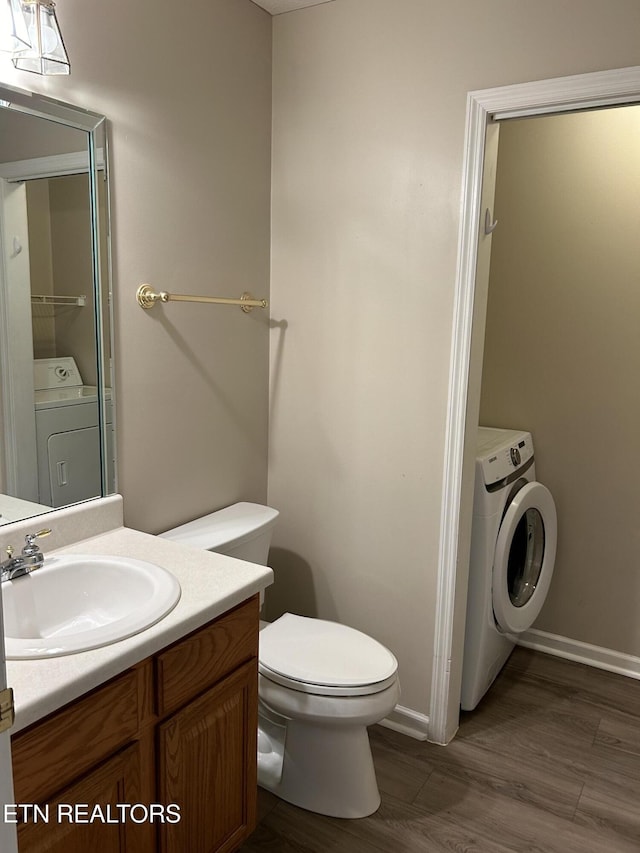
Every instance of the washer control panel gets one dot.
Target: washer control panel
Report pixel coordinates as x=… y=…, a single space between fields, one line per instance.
x=50 y=373
x=501 y=452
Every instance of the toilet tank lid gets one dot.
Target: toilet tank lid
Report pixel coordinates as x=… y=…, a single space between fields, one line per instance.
x=232 y=525
x=316 y=651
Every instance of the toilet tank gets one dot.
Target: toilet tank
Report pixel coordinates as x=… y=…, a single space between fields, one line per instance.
x=242 y=530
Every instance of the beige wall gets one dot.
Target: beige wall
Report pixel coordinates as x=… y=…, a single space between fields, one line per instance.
x=25 y=137
x=60 y=262
x=369 y=115
x=73 y=271
x=41 y=266
x=188 y=99
x=562 y=352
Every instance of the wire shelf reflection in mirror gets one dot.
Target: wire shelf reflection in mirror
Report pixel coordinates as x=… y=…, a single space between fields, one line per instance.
x=46 y=299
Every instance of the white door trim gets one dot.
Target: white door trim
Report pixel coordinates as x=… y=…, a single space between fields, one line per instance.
x=53 y=166
x=583 y=91
x=16 y=347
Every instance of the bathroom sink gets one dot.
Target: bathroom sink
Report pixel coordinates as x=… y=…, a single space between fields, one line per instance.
x=78 y=602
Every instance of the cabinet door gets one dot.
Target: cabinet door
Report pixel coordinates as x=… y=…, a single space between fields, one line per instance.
x=207 y=766
x=117 y=781
x=74 y=466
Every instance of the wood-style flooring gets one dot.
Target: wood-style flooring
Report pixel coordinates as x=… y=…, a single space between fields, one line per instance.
x=549 y=762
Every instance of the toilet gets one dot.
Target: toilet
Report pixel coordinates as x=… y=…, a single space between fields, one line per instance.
x=320 y=684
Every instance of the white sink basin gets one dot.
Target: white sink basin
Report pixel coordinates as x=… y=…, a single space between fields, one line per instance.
x=77 y=602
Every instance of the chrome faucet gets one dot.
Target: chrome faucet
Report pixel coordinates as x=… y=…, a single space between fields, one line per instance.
x=29 y=559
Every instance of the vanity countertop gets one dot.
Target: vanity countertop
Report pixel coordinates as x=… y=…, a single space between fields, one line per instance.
x=211 y=585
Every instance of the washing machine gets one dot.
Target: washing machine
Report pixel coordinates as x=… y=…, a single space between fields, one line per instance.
x=68 y=434
x=513 y=550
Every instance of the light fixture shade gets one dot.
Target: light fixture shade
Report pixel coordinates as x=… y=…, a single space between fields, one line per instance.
x=14 y=34
x=47 y=54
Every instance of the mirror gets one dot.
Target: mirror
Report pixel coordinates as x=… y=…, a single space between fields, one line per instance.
x=56 y=407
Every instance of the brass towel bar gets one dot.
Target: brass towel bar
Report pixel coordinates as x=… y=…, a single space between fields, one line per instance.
x=147 y=298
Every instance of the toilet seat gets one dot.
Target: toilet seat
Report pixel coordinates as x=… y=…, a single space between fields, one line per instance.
x=324 y=658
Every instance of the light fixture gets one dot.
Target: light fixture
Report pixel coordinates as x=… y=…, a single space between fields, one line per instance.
x=14 y=34
x=46 y=53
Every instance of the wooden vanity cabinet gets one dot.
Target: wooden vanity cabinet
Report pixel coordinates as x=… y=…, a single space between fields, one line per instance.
x=177 y=729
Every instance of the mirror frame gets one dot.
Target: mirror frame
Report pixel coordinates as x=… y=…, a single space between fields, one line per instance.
x=95 y=126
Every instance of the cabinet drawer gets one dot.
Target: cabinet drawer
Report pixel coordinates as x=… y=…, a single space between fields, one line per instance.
x=52 y=753
x=204 y=657
x=115 y=782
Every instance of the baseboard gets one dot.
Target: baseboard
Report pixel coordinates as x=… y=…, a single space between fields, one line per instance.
x=407 y=722
x=416 y=725
x=564 y=647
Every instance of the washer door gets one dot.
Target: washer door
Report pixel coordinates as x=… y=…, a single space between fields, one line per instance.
x=524 y=558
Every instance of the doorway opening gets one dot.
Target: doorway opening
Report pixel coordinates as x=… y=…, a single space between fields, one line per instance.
x=589 y=91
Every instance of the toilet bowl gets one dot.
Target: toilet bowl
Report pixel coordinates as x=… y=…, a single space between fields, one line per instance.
x=324 y=683
x=320 y=684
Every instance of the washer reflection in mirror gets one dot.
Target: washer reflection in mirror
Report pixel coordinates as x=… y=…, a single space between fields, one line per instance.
x=55 y=352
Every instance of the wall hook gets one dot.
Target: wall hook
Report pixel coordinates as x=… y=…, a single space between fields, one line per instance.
x=489 y=226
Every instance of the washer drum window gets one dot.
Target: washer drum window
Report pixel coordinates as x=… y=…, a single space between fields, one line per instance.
x=524 y=558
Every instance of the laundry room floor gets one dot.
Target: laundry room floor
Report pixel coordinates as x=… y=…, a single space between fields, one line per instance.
x=549 y=762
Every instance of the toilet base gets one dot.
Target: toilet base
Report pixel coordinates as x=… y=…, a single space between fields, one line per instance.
x=327 y=770
x=315 y=749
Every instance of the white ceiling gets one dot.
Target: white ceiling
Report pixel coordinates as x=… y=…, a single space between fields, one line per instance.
x=277 y=7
